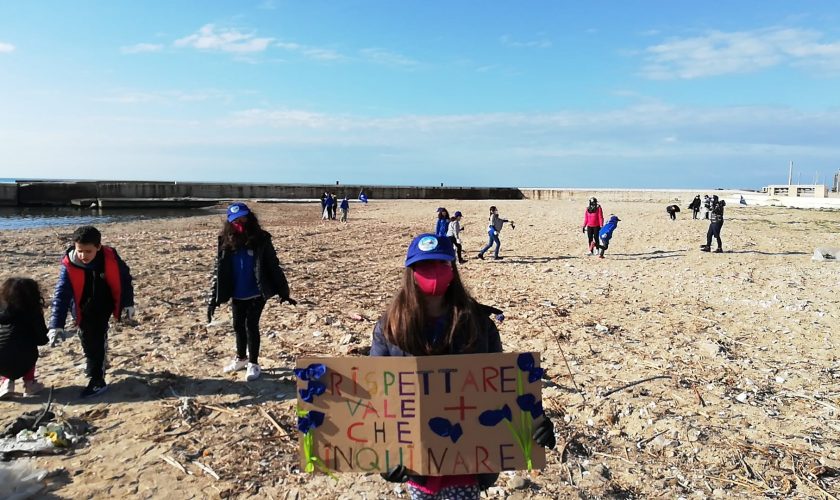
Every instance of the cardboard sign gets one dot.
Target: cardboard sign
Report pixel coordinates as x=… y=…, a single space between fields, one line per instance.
x=436 y=415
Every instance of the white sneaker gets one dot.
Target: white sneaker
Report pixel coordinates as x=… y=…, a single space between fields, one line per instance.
x=253 y=372
x=235 y=365
x=32 y=387
x=7 y=388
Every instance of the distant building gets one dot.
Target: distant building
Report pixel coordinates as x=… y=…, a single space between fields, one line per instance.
x=836 y=185
x=801 y=190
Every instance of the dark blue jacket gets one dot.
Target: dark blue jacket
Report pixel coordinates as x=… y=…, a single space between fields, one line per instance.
x=63 y=296
x=442 y=227
x=344 y=204
x=271 y=280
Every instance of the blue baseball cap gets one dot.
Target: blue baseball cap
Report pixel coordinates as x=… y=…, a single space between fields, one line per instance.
x=237 y=210
x=457 y=214
x=429 y=247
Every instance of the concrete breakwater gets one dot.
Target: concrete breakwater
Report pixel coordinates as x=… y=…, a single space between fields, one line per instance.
x=60 y=193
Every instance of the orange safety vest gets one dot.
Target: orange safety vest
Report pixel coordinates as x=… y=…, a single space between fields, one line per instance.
x=112 y=277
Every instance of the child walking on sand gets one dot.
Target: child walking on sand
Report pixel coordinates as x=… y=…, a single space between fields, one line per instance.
x=345 y=209
x=494 y=227
x=454 y=234
x=22 y=330
x=593 y=219
x=442 y=225
x=433 y=314
x=606 y=235
x=247 y=273
x=94 y=284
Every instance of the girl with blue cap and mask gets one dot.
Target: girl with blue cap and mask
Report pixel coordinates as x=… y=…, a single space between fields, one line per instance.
x=433 y=314
x=247 y=273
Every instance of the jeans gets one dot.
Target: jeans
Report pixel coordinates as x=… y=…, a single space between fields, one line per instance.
x=714 y=230
x=493 y=237
x=246 y=325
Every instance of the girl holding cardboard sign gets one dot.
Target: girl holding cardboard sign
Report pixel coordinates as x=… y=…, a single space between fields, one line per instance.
x=433 y=314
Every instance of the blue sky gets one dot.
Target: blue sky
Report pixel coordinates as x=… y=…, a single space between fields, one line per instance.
x=526 y=93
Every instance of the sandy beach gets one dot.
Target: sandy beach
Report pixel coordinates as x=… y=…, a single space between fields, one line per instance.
x=745 y=344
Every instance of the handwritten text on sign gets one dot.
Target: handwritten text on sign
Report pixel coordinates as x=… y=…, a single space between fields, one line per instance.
x=437 y=415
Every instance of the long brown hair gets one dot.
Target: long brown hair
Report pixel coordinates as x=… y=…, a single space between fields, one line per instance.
x=250 y=237
x=21 y=295
x=404 y=322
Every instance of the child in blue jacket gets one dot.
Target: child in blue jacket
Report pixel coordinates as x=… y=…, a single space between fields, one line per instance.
x=94 y=284
x=606 y=234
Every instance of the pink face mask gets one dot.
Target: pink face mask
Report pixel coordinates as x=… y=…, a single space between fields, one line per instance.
x=238 y=226
x=433 y=276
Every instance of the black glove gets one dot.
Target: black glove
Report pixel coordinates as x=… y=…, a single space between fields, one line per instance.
x=399 y=474
x=583 y=230
x=211 y=308
x=396 y=474
x=291 y=301
x=486 y=480
x=544 y=434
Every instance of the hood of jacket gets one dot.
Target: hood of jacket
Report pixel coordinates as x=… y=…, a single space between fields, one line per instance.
x=71 y=256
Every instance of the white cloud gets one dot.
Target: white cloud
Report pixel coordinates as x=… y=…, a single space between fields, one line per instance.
x=719 y=53
x=388 y=58
x=6 y=48
x=225 y=40
x=539 y=43
x=646 y=125
x=135 y=97
x=317 y=53
x=141 y=48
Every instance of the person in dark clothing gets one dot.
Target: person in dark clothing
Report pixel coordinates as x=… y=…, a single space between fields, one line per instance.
x=715 y=225
x=672 y=211
x=433 y=314
x=442 y=224
x=22 y=330
x=593 y=220
x=694 y=206
x=323 y=203
x=96 y=282
x=247 y=273
x=345 y=208
x=334 y=208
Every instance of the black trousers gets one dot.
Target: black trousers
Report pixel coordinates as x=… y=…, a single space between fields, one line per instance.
x=246 y=325
x=457 y=247
x=592 y=235
x=93 y=332
x=714 y=230
x=694 y=213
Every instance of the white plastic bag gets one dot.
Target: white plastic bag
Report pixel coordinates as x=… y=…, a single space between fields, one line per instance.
x=826 y=253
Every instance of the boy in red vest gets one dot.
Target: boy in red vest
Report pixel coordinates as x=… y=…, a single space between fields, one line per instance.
x=94 y=284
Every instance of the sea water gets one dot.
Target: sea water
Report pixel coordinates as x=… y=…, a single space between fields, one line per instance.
x=16 y=218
